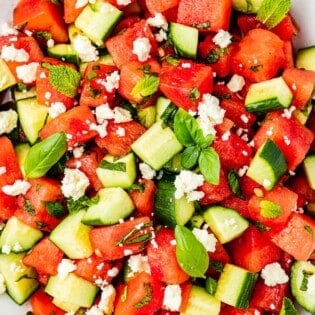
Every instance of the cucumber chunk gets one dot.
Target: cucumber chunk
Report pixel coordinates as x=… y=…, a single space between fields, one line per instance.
x=309 y=169
x=200 y=302
x=305 y=58
x=247 y=6
x=72 y=290
x=18 y=236
x=114 y=172
x=268 y=165
x=66 y=306
x=268 y=95
x=226 y=223
x=21 y=151
x=235 y=286
x=97 y=20
x=72 y=236
x=185 y=39
x=302 y=284
x=64 y=52
x=161 y=104
x=25 y=93
x=19 y=279
x=7 y=78
x=157 y=145
x=32 y=117
x=114 y=204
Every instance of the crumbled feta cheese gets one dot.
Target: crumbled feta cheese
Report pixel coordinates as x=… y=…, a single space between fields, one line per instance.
x=7 y=29
x=47 y=95
x=106 y=303
x=236 y=83
x=8 y=121
x=287 y=112
x=10 y=53
x=269 y=132
x=6 y=249
x=2 y=284
x=186 y=65
x=123 y=2
x=121 y=115
x=142 y=48
x=158 y=20
x=138 y=263
x=84 y=48
x=160 y=36
x=3 y=170
x=81 y=3
x=226 y=136
x=65 y=267
x=311 y=285
x=56 y=108
x=172 y=298
x=128 y=252
x=103 y=112
x=19 y=187
x=101 y=129
x=146 y=171
x=242 y=171
x=17 y=247
x=222 y=39
x=286 y=140
x=113 y=272
x=50 y=43
x=121 y=132
x=94 y=310
x=208 y=240
x=111 y=81
x=210 y=113
x=186 y=182
x=274 y=274
x=78 y=152
x=244 y=118
x=27 y=73
x=74 y=183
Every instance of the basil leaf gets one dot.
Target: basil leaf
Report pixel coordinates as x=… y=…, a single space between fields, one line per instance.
x=271 y=12
x=55 y=209
x=118 y=166
x=189 y=157
x=190 y=253
x=234 y=184
x=43 y=155
x=146 y=86
x=209 y=164
x=169 y=114
x=82 y=203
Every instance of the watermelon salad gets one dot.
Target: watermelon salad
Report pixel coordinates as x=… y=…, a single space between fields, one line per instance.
x=157 y=157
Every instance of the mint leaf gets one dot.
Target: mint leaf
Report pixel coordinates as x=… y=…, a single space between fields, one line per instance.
x=146 y=86
x=269 y=209
x=55 y=209
x=43 y=155
x=271 y=12
x=118 y=166
x=82 y=203
x=189 y=157
x=190 y=253
x=209 y=164
x=234 y=184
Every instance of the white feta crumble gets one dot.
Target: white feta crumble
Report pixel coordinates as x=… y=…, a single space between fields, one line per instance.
x=103 y=112
x=311 y=285
x=186 y=183
x=106 y=303
x=244 y=118
x=222 y=38
x=210 y=113
x=19 y=187
x=78 y=152
x=121 y=115
x=8 y=121
x=17 y=247
x=121 y=132
x=86 y=51
x=186 y=65
x=10 y=53
x=111 y=81
x=81 y=3
x=286 y=140
x=226 y=136
x=113 y=272
x=94 y=310
x=138 y=263
x=7 y=29
x=74 y=183
x=50 y=43
x=142 y=48
x=287 y=112
x=123 y=2
x=6 y=249
x=146 y=171
x=65 y=267
x=274 y=274
x=172 y=298
x=101 y=129
x=158 y=20
x=56 y=108
x=242 y=171
x=27 y=73
x=3 y=170
x=236 y=83
x=160 y=36
x=2 y=284
x=208 y=240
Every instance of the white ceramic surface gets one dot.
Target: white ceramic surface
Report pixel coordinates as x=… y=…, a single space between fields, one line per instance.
x=303 y=12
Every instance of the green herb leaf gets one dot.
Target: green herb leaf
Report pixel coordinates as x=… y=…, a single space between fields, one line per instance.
x=169 y=114
x=43 y=155
x=115 y=166
x=288 y=307
x=211 y=285
x=189 y=157
x=146 y=86
x=209 y=164
x=233 y=180
x=55 y=209
x=269 y=209
x=308 y=229
x=64 y=79
x=194 y=94
x=82 y=203
x=28 y=208
x=271 y=12
x=147 y=298
x=190 y=253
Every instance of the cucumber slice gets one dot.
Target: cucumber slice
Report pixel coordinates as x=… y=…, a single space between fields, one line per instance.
x=32 y=117
x=268 y=95
x=114 y=204
x=114 y=172
x=185 y=39
x=200 y=302
x=161 y=104
x=66 y=306
x=25 y=93
x=97 y=20
x=72 y=290
x=309 y=169
x=18 y=236
x=72 y=236
x=157 y=145
x=19 y=279
x=247 y=6
x=21 y=151
x=226 y=223
x=64 y=52
x=7 y=78
x=305 y=58
x=268 y=165
x=302 y=115
x=302 y=285
x=235 y=286
x=167 y=209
